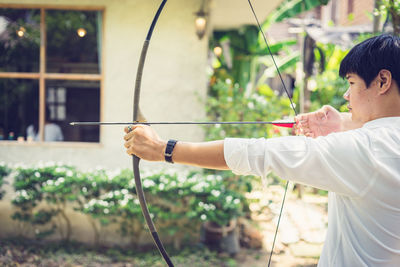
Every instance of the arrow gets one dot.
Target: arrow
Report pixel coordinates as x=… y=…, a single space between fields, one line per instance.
x=287 y=124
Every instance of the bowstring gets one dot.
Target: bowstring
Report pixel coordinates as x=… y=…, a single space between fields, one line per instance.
x=295 y=112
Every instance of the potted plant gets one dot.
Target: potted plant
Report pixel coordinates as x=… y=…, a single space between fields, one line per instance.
x=218 y=207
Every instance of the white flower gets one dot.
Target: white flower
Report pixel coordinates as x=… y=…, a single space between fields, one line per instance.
x=181 y=178
x=37 y=174
x=200 y=187
x=69 y=173
x=84 y=189
x=124 y=191
x=229 y=199
x=23 y=193
x=208 y=207
x=148 y=183
x=215 y=193
x=106 y=211
x=161 y=186
x=236 y=201
x=163 y=179
x=203 y=217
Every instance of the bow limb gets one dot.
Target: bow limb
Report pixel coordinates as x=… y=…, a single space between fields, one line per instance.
x=135 y=160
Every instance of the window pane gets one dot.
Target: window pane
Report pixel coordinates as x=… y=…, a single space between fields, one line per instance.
x=73 y=41
x=19 y=107
x=19 y=40
x=68 y=101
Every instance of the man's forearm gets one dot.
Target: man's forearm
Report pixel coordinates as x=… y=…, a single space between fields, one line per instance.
x=208 y=155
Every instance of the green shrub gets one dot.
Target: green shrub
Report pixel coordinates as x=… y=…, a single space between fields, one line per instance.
x=178 y=201
x=4 y=172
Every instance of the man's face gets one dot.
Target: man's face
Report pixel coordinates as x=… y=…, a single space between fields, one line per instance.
x=360 y=98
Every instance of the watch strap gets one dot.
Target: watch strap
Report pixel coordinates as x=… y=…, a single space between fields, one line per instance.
x=169 y=149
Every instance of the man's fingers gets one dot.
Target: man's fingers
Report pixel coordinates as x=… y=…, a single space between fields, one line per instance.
x=322 y=115
x=127 y=144
x=131 y=131
x=301 y=118
x=130 y=151
x=130 y=128
x=130 y=148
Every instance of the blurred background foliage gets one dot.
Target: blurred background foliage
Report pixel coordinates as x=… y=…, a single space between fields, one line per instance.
x=242 y=74
x=179 y=202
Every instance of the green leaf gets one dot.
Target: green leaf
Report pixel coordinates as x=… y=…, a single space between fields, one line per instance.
x=290 y=9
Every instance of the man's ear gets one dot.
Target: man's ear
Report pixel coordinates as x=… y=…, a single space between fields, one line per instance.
x=384 y=80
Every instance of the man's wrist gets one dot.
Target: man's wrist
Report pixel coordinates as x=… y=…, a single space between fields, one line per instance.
x=169 y=150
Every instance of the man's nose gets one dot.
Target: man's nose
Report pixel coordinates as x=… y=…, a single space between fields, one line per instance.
x=347 y=94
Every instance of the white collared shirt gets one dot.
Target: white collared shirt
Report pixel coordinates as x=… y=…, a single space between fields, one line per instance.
x=360 y=169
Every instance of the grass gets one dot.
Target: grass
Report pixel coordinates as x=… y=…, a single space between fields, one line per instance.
x=33 y=253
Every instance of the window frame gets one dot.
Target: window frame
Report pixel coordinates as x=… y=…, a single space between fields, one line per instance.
x=42 y=75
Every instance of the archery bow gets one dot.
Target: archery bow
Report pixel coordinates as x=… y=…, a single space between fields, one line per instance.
x=295 y=112
x=135 y=160
x=137 y=115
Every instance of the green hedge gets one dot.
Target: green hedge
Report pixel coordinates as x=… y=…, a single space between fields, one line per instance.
x=178 y=201
x=4 y=171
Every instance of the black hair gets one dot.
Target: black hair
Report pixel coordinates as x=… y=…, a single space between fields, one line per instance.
x=369 y=57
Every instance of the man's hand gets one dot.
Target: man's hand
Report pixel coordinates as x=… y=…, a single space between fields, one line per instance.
x=319 y=123
x=143 y=141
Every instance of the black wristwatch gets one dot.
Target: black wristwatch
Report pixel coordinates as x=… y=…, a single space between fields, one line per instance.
x=168 y=150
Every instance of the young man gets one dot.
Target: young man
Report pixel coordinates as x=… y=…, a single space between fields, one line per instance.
x=355 y=156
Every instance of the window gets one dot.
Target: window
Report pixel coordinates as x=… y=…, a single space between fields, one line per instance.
x=50 y=73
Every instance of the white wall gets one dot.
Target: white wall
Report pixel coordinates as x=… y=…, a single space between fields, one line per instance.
x=228 y=14
x=174 y=80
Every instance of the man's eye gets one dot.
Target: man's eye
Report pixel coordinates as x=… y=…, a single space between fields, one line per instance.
x=351 y=83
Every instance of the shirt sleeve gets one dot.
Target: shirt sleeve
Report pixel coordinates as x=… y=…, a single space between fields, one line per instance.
x=339 y=162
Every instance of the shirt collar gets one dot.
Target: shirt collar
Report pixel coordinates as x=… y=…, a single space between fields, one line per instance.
x=387 y=121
